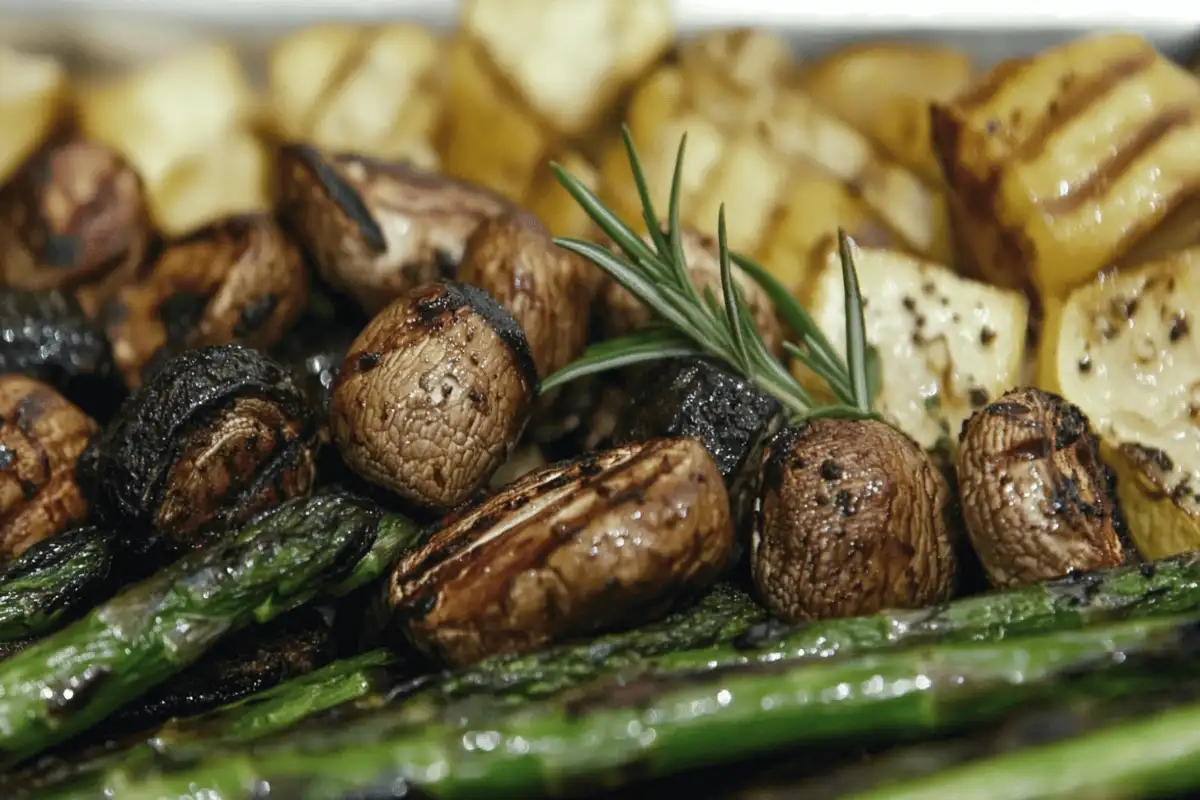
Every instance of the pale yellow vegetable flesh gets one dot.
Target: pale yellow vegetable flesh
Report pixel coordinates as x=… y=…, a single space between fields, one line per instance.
x=1125 y=350
x=33 y=91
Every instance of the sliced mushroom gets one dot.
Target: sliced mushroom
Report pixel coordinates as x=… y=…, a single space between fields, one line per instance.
x=73 y=217
x=237 y=281
x=434 y=394
x=1037 y=500
x=622 y=312
x=571 y=549
x=377 y=229
x=41 y=438
x=513 y=258
x=215 y=436
x=853 y=518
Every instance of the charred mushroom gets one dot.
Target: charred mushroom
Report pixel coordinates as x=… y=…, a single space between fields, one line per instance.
x=513 y=258
x=238 y=281
x=41 y=438
x=377 y=229
x=433 y=394
x=622 y=312
x=73 y=218
x=45 y=335
x=731 y=417
x=571 y=549
x=853 y=518
x=215 y=436
x=1037 y=500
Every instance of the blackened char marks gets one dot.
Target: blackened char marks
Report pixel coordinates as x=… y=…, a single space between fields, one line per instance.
x=343 y=195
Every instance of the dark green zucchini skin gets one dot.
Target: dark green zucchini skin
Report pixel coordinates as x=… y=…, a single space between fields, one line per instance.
x=56 y=580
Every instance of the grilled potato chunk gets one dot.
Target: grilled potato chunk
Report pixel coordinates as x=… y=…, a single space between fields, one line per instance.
x=551 y=204
x=733 y=76
x=33 y=94
x=884 y=90
x=374 y=91
x=185 y=126
x=1122 y=349
x=569 y=61
x=947 y=345
x=1078 y=158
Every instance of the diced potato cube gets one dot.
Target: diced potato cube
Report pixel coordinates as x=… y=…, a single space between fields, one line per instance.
x=33 y=94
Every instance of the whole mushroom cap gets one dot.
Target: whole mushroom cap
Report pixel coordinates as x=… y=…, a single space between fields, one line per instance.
x=853 y=518
x=433 y=394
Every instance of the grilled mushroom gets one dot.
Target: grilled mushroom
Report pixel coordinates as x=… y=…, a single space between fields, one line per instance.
x=622 y=312
x=1037 y=500
x=434 y=394
x=41 y=438
x=513 y=258
x=377 y=229
x=238 y=281
x=45 y=335
x=568 y=550
x=853 y=518
x=215 y=436
x=73 y=218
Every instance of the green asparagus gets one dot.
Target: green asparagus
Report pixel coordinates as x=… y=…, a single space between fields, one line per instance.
x=1156 y=756
x=72 y=679
x=611 y=731
x=55 y=580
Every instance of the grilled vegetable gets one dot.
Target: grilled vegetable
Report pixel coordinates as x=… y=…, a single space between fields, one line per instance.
x=377 y=229
x=1122 y=349
x=250 y=661
x=41 y=438
x=733 y=76
x=214 y=437
x=598 y=736
x=1066 y=162
x=732 y=418
x=73 y=218
x=570 y=549
x=75 y=678
x=853 y=518
x=368 y=90
x=1037 y=500
x=46 y=336
x=582 y=417
x=237 y=281
x=947 y=345
x=433 y=394
x=622 y=313
x=184 y=123
x=32 y=101
x=513 y=259
x=55 y=580
x=547 y=201
x=884 y=90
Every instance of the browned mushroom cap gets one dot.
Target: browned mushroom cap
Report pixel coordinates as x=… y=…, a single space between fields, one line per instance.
x=377 y=229
x=853 y=519
x=41 y=437
x=1037 y=500
x=513 y=258
x=73 y=218
x=611 y=540
x=238 y=281
x=433 y=394
x=622 y=312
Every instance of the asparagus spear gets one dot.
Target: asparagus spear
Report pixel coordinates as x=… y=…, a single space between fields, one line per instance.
x=1168 y=586
x=609 y=730
x=54 y=580
x=1155 y=756
x=72 y=679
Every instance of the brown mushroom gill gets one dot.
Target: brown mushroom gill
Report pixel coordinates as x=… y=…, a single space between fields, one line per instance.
x=434 y=394
x=237 y=281
x=377 y=229
x=607 y=541
x=41 y=438
x=853 y=518
x=1037 y=500
x=73 y=218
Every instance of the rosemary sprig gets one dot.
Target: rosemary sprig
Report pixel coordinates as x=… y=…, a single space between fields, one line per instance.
x=689 y=324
